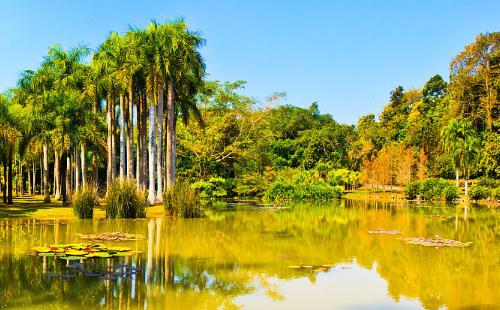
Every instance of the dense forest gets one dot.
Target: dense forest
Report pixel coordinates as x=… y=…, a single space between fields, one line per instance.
x=140 y=108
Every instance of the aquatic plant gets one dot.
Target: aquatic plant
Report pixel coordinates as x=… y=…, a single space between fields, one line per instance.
x=79 y=251
x=112 y=236
x=182 y=200
x=84 y=202
x=379 y=231
x=123 y=200
x=436 y=242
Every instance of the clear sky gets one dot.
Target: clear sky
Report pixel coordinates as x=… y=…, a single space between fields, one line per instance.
x=346 y=55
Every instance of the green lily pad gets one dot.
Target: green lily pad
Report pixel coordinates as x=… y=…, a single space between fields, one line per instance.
x=120 y=249
x=47 y=254
x=75 y=253
x=41 y=249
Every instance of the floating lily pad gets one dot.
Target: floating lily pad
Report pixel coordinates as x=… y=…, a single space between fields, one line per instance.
x=75 y=253
x=436 y=242
x=41 y=249
x=294 y=267
x=119 y=249
x=379 y=231
x=47 y=254
x=100 y=255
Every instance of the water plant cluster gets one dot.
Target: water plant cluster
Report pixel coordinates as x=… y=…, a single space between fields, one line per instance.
x=80 y=251
x=182 y=200
x=85 y=201
x=123 y=200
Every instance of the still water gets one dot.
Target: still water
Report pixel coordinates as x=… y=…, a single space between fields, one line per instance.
x=239 y=257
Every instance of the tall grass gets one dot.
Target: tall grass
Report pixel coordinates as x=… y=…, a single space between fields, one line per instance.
x=84 y=202
x=182 y=200
x=123 y=200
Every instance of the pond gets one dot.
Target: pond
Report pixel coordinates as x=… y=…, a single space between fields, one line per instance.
x=317 y=256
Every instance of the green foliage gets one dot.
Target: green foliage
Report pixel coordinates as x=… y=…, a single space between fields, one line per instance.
x=84 y=202
x=480 y=192
x=182 y=200
x=432 y=189
x=214 y=187
x=412 y=190
x=304 y=185
x=123 y=200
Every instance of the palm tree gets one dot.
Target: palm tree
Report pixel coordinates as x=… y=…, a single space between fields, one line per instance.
x=463 y=144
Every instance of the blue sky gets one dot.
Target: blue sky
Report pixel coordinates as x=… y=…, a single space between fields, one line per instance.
x=346 y=55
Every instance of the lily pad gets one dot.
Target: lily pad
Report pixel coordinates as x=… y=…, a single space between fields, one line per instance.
x=75 y=253
x=41 y=249
x=47 y=254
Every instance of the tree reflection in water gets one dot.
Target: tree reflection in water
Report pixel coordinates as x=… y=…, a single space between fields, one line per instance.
x=207 y=263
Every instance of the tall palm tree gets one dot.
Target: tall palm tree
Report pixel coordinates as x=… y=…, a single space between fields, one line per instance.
x=463 y=144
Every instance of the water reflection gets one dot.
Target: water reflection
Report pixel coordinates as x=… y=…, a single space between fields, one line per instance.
x=240 y=258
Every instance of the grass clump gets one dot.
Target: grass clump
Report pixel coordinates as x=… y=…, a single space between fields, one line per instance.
x=182 y=200
x=84 y=202
x=123 y=200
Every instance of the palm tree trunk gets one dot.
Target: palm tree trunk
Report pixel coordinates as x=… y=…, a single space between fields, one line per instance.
x=9 y=175
x=83 y=158
x=170 y=134
x=46 y=195
x=57 y=176
x=41 y=176
x=130 y=127
x=77 y=169
x=466 y=179
x=5 y=181
x=122 y=138
x=113 y=142
x=63 y=173
x=95 y=168
x=21 y=178
x=152 y=142
x=138 y=170
x=34 y=178
x=109 y=173
x=159 y=173
x=29 y=178
x=456 y=176
x=144 y=143
x=67 y=177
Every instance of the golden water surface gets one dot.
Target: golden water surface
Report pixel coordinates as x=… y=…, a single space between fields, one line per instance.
x=239 y=257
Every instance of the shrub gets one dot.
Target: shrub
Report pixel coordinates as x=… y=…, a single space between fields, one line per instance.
x=182 y=200
x=251 y=185
x=84 y=202
x=488 y=182
x=215 y=187
x=451 y=192
x=412 y=190
x=123 y=200
x=432 y=189
x=480 y=192
x=304 y=185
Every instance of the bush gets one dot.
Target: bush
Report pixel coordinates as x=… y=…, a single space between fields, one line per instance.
x=215 y=187
x=432 y=189
x=84 y=202
x=304 y=185
x=412 y=190
x=182 y=200
x=480 y=192
x=123 y=200
x=488 y=182
x=451 y=192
